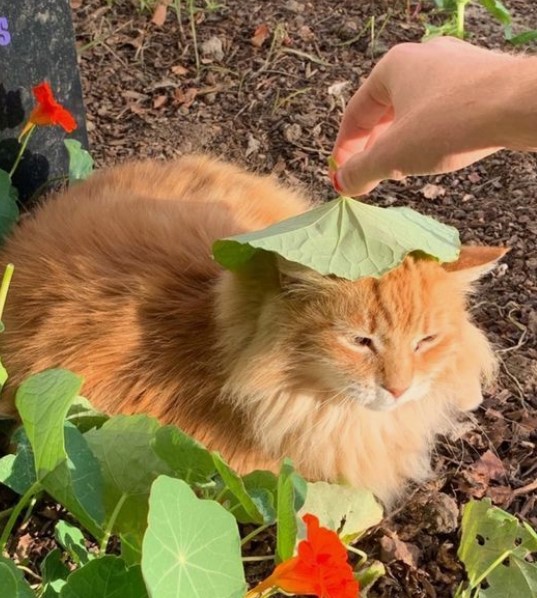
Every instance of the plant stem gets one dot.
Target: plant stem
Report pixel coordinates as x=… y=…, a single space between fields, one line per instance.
x=254 y=533
x=21 y=150
x=192 y=12
x=363 y=556
x=5 y=513
x=33 y=489
x=461 y=8
x=4 y=287
x=257 y=559
x=111 y=523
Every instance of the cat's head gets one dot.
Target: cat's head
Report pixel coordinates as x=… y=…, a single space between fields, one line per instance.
x=385 y=342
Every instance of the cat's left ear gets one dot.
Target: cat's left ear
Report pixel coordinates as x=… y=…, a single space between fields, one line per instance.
x=474 y=262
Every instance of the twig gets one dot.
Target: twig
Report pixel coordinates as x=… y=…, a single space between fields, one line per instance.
x=525 y=489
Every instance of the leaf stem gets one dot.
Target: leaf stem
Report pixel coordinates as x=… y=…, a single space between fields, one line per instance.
x=21 y=150
x=488 y=571
x=17 y=509
x=111 y=523
x=363 y=556
x=254 y=533
x=257 y=559
x=4 y=287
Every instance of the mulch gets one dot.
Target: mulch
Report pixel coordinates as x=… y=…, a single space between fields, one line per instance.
x=267 y=90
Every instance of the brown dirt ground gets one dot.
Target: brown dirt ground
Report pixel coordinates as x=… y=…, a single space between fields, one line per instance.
x=276 y=109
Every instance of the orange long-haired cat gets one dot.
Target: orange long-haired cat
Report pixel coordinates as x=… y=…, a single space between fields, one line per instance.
x=114 y=280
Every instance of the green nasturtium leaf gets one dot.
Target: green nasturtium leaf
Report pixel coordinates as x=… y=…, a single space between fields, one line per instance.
x=77 y=482
x=84 y=416
x=18 y=471
x=72 y=539
x=262 y=487
x=123 y=447
x=188 y=459
x=9 y=210
x=80 y=161
x=105 y=577
x=12 y=582
x=191 y=547
x=496 y=543
x=54 y=572
x=236 y=486
x=131 y=549
x=346 y=238
x=289 y=501
x=43 y=401
x=348 y=511
x=3 y=372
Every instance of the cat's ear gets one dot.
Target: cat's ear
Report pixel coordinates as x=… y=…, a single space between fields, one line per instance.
x=292 y=274
x=474 y=262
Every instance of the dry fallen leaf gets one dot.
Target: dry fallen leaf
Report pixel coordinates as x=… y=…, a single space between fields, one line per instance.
x=474 y=177
x=160 y=13
x=160 y=101
x=306 y=34
x=489 y=467
x=187 y=97
x=179 y=69
x=431 y=191
x=394 y=549
x=261 y=34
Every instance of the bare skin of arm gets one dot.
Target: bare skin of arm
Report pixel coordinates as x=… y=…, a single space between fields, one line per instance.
x=433 y=108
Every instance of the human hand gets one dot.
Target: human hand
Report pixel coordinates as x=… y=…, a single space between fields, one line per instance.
x=425 y=109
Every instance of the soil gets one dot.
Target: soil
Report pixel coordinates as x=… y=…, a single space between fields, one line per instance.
x=276 y=108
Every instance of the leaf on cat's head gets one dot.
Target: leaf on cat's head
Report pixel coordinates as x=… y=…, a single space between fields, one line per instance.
x=345 y=238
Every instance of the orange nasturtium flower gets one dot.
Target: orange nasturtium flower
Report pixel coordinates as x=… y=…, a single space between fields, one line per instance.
x=48 y=111
x=320 y=569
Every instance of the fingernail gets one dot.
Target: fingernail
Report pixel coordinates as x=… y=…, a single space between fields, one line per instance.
x=336 y=181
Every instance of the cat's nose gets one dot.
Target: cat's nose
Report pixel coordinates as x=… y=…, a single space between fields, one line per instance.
x=396 y=391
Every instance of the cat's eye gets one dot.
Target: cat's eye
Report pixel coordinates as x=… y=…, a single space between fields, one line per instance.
x=426 y=340
x=364 y=341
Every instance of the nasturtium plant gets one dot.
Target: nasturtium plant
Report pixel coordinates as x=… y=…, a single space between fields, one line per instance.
x=494 y=548
x=345 y=238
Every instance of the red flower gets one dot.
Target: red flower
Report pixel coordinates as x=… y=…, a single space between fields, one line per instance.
x=320 y=568
x=48 y=111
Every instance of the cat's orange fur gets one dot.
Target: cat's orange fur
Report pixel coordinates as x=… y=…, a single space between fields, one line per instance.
x=114 y=279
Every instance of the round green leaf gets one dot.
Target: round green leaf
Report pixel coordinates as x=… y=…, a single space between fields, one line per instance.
x=348 y=511
x=123 y=447
x=12 y=582
x=191 y=548
x=107 y=577
x=345 y=238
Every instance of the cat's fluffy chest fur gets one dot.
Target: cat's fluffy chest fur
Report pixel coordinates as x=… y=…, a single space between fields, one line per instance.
x=115 y=281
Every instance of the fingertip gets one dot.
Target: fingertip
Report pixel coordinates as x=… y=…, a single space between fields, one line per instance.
x=336 y=182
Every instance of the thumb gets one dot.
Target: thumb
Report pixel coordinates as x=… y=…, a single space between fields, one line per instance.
x=363 y=171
